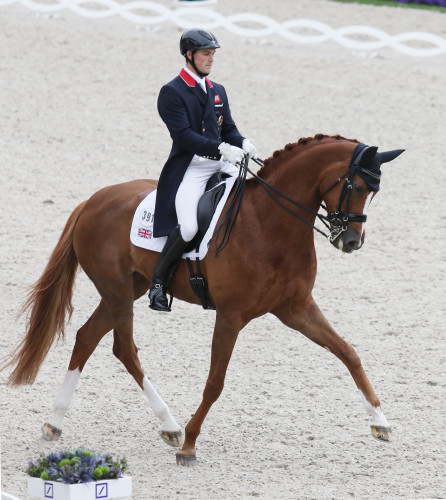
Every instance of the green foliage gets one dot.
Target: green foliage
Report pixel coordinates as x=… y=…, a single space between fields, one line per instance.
x=391 y=3
x=76 y=466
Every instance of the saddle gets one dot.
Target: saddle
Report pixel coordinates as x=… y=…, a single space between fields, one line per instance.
x=215 y=189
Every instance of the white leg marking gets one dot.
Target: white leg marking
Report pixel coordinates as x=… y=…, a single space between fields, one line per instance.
x=366 y=206
x=375 y=412
x=159 y=407
x=64 y=397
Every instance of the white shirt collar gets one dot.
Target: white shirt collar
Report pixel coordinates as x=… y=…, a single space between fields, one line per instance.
x=201 y=81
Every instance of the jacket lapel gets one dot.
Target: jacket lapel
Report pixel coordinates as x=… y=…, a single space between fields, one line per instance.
x=201 y=95
x=210 y=99
x=193 y=87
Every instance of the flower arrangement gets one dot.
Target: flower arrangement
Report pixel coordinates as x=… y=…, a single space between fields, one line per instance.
x=442 y=3
x=77 y=466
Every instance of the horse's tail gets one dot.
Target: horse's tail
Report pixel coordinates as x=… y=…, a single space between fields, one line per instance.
x=47 y=304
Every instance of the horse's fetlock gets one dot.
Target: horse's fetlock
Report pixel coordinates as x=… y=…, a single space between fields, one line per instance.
x=163 y=412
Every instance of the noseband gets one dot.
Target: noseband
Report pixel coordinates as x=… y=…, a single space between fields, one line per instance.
x=336 y=222
x=338 y=219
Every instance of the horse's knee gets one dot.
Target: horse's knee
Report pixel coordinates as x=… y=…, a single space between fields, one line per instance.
x=213 y=389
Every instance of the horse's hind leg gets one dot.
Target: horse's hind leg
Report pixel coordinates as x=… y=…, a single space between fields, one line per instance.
x=87 y=339
x=309 y=320
x=126 y=351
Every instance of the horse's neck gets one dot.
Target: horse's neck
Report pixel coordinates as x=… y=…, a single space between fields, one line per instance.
x=297 y=178
x=296 y=174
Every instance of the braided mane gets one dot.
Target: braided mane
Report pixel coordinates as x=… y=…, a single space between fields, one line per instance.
x=301 y=142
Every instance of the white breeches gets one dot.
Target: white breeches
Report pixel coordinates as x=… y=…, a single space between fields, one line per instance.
x=191 y=189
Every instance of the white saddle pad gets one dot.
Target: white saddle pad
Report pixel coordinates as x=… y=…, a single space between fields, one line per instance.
x=141 y=233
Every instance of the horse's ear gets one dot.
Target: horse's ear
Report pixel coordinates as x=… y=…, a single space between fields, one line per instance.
x=389 y=155
x=368 y=155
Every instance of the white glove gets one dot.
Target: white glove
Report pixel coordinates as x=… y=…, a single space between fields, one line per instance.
x=248 y=147
x=233 y=154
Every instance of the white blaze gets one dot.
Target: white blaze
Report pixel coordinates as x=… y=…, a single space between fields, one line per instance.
x=366 y=206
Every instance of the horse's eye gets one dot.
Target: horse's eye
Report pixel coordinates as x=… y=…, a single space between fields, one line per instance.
x=359 y=189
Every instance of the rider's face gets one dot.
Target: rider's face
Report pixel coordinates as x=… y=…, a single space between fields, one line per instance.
x=203 y=60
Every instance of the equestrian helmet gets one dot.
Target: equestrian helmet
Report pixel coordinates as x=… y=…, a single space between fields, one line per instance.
x=196 y=39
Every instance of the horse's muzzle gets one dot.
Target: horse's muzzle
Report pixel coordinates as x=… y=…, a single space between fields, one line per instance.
x=346 y=240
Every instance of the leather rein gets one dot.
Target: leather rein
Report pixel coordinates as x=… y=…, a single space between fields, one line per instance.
x=336 y=222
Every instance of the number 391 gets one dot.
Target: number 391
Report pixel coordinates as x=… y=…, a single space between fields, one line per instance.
x=147 y=216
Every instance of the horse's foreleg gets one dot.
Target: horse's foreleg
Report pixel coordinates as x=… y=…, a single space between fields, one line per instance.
x=87 y=340
x=126 y=351
x=225 y=336
x=309 y=320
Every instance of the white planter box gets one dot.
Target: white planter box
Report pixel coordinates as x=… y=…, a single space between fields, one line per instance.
x=106 y=489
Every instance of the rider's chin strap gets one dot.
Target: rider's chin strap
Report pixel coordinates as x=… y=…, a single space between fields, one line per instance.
x=192 y=63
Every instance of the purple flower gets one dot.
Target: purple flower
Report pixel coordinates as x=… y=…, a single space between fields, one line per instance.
x=77 y=466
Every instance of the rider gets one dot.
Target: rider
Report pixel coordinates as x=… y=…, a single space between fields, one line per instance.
x=205 y=140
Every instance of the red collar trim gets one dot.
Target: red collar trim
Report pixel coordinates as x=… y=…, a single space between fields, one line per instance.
x=190 y=81
x=187 y=78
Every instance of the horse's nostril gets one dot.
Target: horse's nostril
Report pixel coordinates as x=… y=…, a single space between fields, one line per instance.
x=352 y=245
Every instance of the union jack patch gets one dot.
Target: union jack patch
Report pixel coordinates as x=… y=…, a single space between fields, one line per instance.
x=144 y=233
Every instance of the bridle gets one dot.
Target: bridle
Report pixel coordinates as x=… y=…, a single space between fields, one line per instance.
x=336 y=222
x=338 y=219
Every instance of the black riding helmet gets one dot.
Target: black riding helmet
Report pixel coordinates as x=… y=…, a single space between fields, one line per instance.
x=196 y=39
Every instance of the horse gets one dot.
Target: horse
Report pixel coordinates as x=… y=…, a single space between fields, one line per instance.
x=249 y=278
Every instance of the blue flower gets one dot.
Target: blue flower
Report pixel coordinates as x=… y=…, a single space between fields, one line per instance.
x=77 y=466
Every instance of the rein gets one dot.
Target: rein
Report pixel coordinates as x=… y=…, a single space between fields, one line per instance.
x=336 y=222
x=271 y=189
x=233 y=209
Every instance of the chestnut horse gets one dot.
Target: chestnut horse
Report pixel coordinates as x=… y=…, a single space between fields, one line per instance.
x=249 y=278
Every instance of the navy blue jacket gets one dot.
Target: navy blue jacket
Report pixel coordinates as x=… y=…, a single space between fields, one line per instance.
x=198 y=123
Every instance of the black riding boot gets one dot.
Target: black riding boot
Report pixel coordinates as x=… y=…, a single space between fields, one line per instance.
x=165 y=269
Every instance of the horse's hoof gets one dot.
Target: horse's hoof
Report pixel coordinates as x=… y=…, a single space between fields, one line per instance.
x=172 y=438
x=51 y=433
x=381 y=433
x=186 y=460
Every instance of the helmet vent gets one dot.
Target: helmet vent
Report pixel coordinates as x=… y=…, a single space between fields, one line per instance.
x=206 y=34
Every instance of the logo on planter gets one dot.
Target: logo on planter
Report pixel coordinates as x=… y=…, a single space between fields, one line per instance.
x=48 y=490
x=101 y=490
